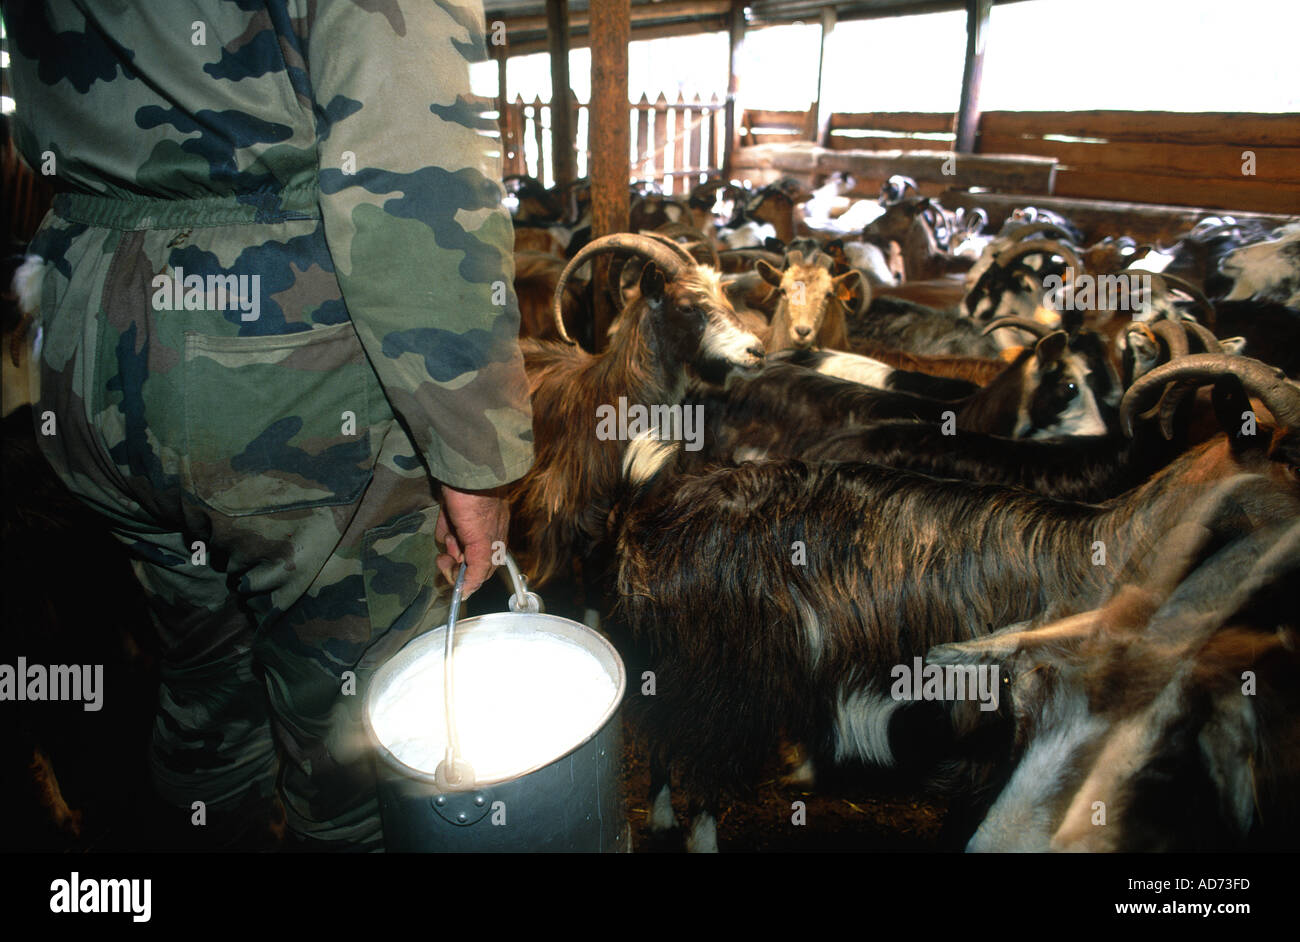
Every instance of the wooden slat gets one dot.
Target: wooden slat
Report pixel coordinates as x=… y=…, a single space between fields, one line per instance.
x=1012 y=174
x=540 y=138
x=1245 y=130
x=717 y=135
x=1195 y=161
x=661 y=137
x=914 y=121
x=644 y=165
x=696 y=126
x=1240 y=193
x=1099 y=218
x=795 y=120
x=838 y=142
x=679 y=137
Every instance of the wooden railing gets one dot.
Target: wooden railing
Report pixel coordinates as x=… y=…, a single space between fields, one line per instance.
x=674 y=144
x=1140 y=157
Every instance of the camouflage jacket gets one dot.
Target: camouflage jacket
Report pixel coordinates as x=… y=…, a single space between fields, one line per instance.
x=355 y=113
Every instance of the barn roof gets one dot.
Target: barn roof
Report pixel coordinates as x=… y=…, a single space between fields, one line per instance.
x=526 y=19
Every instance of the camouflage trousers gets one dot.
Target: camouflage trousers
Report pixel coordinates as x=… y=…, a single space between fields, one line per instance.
x=276 y=513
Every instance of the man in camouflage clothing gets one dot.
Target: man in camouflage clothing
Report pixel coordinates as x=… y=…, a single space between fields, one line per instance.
x=276 y=331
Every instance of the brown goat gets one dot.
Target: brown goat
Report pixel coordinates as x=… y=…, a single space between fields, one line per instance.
x=810 y=309
x=681 y=318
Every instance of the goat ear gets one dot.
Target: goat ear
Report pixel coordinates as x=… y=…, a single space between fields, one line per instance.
x=652 y=283
x=773 y=244
x=846 y=284
x=1231 y=405
x=769 y=273
x=1049 y=349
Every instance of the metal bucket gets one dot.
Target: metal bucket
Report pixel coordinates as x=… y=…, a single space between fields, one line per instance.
x=568 y=802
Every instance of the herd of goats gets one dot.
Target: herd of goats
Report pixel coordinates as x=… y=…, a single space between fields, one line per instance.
x=1009 y=516
x=1072 y=467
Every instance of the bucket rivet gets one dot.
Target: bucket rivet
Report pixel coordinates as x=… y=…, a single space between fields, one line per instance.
x=462 y=817
x=480 y=801
x=441 y=800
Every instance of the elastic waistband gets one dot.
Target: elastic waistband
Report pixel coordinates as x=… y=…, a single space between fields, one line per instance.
x=111 y=212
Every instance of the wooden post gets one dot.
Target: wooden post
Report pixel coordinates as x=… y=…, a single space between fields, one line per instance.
x=968 y=112
x=820 y=117
x=733 y=84
x=563 y=159
x=610 y=34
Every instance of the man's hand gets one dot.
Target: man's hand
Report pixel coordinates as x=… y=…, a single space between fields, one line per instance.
x=470 y=522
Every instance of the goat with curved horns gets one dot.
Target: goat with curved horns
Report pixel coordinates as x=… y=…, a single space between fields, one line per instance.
x=681 y=319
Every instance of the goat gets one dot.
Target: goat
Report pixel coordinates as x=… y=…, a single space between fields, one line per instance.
x=915 y=328
x=786 y=408
x=680 y=318
x=1267 y=270
x=774 y=597
x=810 y=309
x=1140 y=705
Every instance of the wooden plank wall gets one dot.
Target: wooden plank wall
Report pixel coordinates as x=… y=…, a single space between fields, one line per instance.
x=1144 y=157
x=1160 y=157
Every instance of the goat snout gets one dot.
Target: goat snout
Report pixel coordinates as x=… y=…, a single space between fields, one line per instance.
x=803 y=331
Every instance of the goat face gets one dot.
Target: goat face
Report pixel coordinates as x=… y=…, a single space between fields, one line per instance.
x=894 y=223
x=1267 y=270
x=1046 y=392
x=1063 y=401
x=1134 y=731
x=701 y=326
x=806 y=291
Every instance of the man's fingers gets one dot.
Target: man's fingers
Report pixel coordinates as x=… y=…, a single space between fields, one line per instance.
x=479 y=558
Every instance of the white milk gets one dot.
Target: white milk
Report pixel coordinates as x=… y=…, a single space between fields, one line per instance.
x=521 y=701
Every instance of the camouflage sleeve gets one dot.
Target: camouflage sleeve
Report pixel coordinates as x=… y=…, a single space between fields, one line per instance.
x=411 y=199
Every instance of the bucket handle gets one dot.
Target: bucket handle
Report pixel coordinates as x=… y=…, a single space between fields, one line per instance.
x=454 y=773
x=523 y=601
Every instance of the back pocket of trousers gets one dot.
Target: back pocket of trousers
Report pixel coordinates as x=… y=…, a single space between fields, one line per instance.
x=278 y=423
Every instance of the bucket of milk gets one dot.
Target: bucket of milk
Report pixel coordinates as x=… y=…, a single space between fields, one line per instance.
x=535 y=719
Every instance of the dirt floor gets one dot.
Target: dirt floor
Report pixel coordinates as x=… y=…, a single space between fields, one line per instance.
x=842 y=816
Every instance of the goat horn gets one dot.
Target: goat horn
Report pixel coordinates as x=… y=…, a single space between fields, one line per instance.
x=1199 y=300
x=1203 y=334
x=1038 y=330
x=1174 y=336
x=1018 y=232
x=670 y=232
x=1264 y=382
x=672 y=244
x=1175 y=394
x=672 y=262
x=1041 y=246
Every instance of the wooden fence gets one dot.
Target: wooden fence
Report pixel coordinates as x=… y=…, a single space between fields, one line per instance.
x=674 y=144
x=1248 y=162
